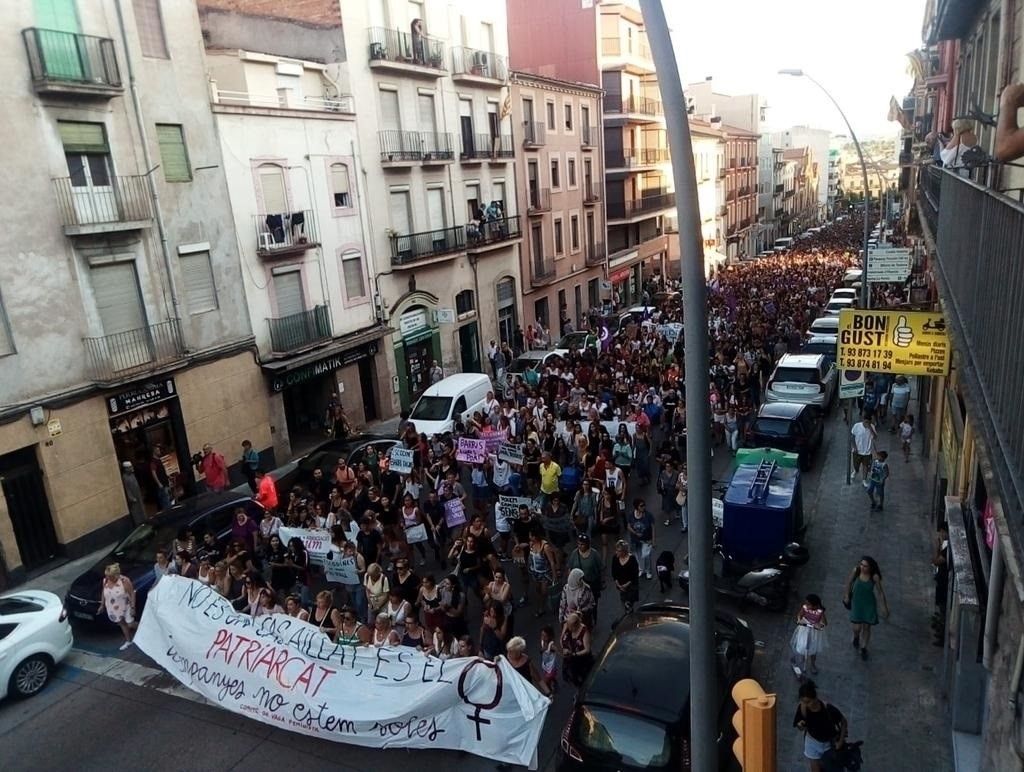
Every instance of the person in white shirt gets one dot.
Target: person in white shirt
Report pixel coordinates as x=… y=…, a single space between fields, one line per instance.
x=864 y=436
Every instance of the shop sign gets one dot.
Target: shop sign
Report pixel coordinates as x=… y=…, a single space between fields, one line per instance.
x=898 y=342
x=412 y=322
x=620 y=275
x=141 y=396
x=445 y=316
x=311 y=370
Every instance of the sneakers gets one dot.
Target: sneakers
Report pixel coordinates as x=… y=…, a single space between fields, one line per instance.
x=125 y=645
x=647 y=575
x=867 y=484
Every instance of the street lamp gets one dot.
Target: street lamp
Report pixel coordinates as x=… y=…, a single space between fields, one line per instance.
x=865 y=289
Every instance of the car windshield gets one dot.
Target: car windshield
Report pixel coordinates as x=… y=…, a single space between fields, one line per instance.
x=432 y=408
x=140 y=545
x=796 y=375
x=626 y=739
x=826 y=349
x=776 y=427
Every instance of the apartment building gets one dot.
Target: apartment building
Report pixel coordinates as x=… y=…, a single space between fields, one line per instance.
x=437 y=164
x=290 y=147
x=124 y=337
x=817 y=141
x=560 y=188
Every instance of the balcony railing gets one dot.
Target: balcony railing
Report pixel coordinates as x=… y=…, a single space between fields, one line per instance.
x=596 y=253
x=398 y=146
x=67 y=61
x=979 y=238
x=124 y=200
x=591 y=192
x=404 y=48
x=534 y=133
x=490 y=232
x=286 y=99
x=480 y=147
x=636 y=105
x=299 y=331
x=538 y=200
x=615 y=46
x=413 y=247
x=436 y=146
x=779 y=189
x=639 y=206
x=543 y=271
x=588 y=136
x=112 y=358
x=285 y=233
x=479 y=64
x=632 y=157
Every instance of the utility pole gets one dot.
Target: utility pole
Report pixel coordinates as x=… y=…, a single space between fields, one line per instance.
x=703 y=731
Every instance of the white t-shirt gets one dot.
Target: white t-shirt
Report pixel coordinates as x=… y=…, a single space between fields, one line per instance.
x=863 y=439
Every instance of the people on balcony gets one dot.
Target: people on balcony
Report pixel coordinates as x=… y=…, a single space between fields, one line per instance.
x=1009 y=134
x=962 y=141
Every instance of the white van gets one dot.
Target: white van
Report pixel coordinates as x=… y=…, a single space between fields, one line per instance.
x=783 y=244
x=449 y=400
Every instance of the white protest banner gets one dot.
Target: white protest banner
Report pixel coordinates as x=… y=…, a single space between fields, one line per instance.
x=511 y=453
x=454 y=513
x=285 y=673
x=611 y=426
x=317 y=543
x=670 y=331
x=507 y=509
x=341 y=570
x=401 y=460
x=471 y=451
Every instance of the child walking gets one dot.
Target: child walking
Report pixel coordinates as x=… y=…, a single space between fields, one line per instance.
x=877 y=476
x=906 y=434
x=809 y=638
x=549 y=658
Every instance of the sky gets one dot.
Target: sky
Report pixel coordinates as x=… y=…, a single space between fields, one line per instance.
x=855 y=50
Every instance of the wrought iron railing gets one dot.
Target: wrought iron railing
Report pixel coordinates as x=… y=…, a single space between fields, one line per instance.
x=101 y=200
x=639 y=206
x=538 y=199
x=492 y=231
x=616 y=46
x=588 y=136
x=534 y=133
x=591 y=192
x=543 y=270
x=111 y=358
x=389 y=45
x=595 y=254
x=397 y=145
x=56 y=57
x=285 y=232
x=437 y=146
x=481 y=64
x=297 y=331
x=412 y=247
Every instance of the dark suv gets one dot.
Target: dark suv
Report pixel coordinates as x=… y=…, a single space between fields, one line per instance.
x=789 y=426
x=633 y=711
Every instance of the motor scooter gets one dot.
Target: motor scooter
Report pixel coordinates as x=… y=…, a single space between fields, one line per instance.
x=764 y=584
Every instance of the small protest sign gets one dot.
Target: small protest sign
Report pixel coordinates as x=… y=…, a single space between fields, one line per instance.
x=511 y=453
x=454 y=513
x=471 y=451
x=401 y=460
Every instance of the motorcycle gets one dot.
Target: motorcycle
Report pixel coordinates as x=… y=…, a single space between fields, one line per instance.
x=765 y=584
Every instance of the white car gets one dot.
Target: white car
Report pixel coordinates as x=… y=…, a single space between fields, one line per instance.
x=35 y=636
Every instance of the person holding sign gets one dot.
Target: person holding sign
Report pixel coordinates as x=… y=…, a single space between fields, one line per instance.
x=412 y=523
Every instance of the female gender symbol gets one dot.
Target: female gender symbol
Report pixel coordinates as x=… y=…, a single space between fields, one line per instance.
x=477 y=706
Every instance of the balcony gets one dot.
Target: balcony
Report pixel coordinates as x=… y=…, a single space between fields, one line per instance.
x=343 y=105
x=289 y=334
x=437 y=148
x=72 y=64
x=542 y=271
x=285 y=233
x=534 y=134
x=399 y=148
x=591 y=192
x=633 y=55
x=113 y=358
x=596 y=254
x=477 y=148
x=588 y=137
x=538 y=200
x=640 y=207
x=415 y=248
x=636 y=109
x=722 y=211
x=779 y=189
x=636 y=157
x=979 y=240
x=492 y=233
x=483 y=68
x=122 y=204
x=405 y=53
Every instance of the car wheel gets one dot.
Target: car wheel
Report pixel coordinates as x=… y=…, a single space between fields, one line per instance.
x=30 y=676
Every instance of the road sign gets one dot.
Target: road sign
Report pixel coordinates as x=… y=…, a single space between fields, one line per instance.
x=851 y=384
x=898 y=342
x=885 y=265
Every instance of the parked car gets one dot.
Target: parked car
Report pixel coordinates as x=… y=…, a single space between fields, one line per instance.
x=34 y=638
x=790 y=426
x=844 y=292
x=825 y=325
x=636 y=314
x=822 y=344
x=136 y=553
x=325 y=457
x=576 y=341
x=834 y=306
x=451 y=399
x=532 y=361
x=806 y=378
x=633 y=711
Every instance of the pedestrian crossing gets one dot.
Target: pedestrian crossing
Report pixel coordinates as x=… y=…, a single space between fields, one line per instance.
x=130 y=673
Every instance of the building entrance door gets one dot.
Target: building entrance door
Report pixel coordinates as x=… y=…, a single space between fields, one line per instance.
x=22 y=482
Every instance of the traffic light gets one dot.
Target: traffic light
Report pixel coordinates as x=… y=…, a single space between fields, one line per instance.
x=754 y=722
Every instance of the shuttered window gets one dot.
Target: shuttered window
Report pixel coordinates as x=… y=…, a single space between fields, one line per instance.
x=352 y=273
x=273 y=189
x=6 y=339
x=80 y=137
x=288 y=293
x=173 y=155
x=197 y=277
x=339 y=186
x=115 y=288
x=150 y=25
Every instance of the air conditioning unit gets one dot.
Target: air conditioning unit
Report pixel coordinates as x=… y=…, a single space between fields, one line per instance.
x=266 y=241
x=480 y=59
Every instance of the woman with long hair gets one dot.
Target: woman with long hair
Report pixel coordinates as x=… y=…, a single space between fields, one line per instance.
x=863 y=594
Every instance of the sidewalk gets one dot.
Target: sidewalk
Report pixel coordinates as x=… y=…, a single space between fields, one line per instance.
x=891 y=701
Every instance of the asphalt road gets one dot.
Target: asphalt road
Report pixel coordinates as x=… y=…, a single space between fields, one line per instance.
x=107 y=709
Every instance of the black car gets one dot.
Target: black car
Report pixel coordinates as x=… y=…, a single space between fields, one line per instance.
x=633 y=711
x=325 y=456
x=136 y=553
x=788 y=426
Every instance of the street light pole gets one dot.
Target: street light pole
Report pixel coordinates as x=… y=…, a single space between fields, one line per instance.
x=703 y=730
x=865 y=289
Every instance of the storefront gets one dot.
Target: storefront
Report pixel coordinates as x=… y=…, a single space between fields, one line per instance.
x=626 y=285
x=417 y=345
x=146 y=426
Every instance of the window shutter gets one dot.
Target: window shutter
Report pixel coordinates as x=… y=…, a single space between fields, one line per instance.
x=83 y=137
x=197 y=276
x=288 y=292
x=6 y=339
x=115 y=289
x=275 y=195
x=352 y=271
x=339 y=185
x=173 y=156
x=150 y=26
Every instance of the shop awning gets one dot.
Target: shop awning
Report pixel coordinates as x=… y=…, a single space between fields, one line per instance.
x=333 y=349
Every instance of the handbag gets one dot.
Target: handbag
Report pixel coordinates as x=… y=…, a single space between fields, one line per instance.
x=416 y=534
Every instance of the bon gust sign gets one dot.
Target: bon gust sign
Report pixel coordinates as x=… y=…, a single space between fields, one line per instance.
x=286 y=673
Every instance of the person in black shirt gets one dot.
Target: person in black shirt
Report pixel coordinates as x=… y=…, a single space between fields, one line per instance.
x=368 y=541
x=209 y=549
x=824 y=728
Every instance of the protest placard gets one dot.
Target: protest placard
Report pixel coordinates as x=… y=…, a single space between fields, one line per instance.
x=454 y=513
x=341 y=569
x=511 y=453
x=507 y=510
x=286 y=673
x=471 y=451
x=492 y=440
x=401 y=460
x=317 y=543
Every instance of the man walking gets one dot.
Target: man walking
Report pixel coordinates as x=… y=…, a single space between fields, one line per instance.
x=214 y=469
x=250 y=463
x=864 y=436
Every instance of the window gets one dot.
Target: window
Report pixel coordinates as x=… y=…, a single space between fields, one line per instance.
x=473 y=200
x=570 y=168
x=288 y=292
x=173 y=155
x=559 y=246
x=197 y=277
x=498 y=194
x=574 y=232
x=339 y=186
x=464 y=302
x=88 y=159
x=115 y=289
x=568 y=116
x=551 y=115
x=6 y=338
x=272 y=189
x=540 y=311
x=150 y=25
x=352 y=275
x=555 y=180
x=585 y=124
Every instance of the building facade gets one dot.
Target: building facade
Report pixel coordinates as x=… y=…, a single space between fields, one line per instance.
x=817 y=141
x=741 y=167
x=125 y=333
x=560 y=188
